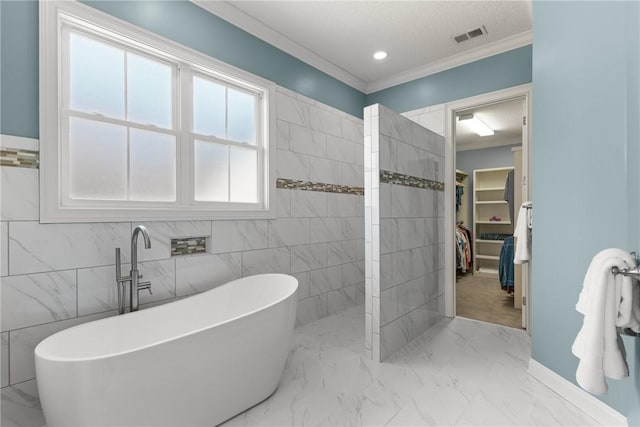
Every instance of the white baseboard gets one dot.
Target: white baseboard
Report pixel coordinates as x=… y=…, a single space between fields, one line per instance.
x=595 y=408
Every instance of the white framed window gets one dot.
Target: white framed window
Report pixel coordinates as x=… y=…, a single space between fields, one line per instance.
x=136 y=127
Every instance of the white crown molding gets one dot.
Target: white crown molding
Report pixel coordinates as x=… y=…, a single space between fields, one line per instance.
x=598 y=410
x=251 y=25
x=237 y=17
x=19 y=143
x=453 y=61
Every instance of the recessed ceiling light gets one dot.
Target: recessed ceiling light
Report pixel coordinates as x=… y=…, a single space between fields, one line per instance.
x=380 y=55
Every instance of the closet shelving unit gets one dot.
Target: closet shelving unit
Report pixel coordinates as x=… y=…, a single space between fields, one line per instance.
x=488 y=202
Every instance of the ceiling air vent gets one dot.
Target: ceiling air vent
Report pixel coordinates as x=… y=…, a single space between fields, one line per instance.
x=470 y=34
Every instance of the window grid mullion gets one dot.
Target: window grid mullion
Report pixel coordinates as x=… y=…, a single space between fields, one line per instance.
x=226 y=112
x=211 y=138
x=119 y=122
x=228 y=173
x=185 y=113
x=126 y=117
x=128 y=163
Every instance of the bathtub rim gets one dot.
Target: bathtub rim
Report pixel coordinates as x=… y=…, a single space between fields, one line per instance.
x=38 y=349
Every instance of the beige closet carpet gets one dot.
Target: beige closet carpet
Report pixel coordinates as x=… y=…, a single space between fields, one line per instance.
x=482 y=298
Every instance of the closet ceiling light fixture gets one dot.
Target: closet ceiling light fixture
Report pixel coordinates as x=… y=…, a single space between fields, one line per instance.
x=475 y=125
x=380 y=55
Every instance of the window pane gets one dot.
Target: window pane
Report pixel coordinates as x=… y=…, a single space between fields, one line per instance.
x=153 y=166
x=97 y=160
x=241 y=125
x=211 y=172
x=208 y=107
x=244 y=175
x=149 y=91
x=96 y=77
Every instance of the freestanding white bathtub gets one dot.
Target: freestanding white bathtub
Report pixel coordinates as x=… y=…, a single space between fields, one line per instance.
x=193 y=362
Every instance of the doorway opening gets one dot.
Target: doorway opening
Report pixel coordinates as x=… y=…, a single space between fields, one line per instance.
x=488 y=147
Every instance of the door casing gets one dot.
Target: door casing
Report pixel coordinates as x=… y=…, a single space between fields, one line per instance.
x=451 y=108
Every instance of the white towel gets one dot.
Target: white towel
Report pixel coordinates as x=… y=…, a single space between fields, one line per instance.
x=606 y=301
x=521 y=233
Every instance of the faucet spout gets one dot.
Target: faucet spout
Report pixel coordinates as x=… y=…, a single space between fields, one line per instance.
x=134 y=244
x=135 y=275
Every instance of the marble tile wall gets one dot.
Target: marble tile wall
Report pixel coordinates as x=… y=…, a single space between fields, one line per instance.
x=431 y=117
x=404 y=230
x=58 y=275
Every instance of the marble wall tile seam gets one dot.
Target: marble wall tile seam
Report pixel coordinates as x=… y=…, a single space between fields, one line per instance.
x=411 y=248
x=291 y=184
x=8 y=373
x=425 y=148
x=300 y=97
x=158 y=302
x=327 y=139
x=19 y=158
x=18 y=383
x=408 y=313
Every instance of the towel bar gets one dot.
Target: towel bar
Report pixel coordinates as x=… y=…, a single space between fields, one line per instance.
x=632 y=272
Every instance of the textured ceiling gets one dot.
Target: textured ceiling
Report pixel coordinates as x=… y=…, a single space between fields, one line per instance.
x=505 y=118
x=414 y=33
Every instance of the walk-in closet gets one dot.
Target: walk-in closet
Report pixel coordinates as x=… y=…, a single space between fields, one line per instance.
x=488 y=194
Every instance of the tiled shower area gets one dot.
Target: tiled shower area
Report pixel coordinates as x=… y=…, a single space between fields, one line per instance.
x=58 y=275
x=404 y=229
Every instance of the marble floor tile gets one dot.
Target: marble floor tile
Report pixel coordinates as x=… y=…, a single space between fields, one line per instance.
x=21 y=406
x=459 y=372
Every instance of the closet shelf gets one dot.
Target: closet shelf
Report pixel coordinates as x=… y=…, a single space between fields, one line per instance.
x=491 y=257
x=490 y=189
x=488 y=202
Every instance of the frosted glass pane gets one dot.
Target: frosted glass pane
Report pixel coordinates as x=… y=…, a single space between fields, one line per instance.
x=149 y=91
x=97 y=160
x=241 y=120
x=153 y=166
x=244 y=175
x=211 y=172
x=208 y=107
x=96 y=77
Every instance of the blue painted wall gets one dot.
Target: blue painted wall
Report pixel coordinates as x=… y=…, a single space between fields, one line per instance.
x=19 y=68
x=496 y=72
x=181 y=21
x=585 y=160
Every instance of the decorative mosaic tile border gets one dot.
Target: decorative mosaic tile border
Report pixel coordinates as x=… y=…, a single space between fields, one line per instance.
x=188 y=246
x=410 y=181
x=19 y=158
x=292 y=184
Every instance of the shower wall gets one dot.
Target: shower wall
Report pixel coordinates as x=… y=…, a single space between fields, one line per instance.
x=54 y=276
x=404 y=230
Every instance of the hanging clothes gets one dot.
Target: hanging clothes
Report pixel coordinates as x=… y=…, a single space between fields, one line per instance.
x=464 y=253
x=522 y=233
x=509 y=193
x=461 y=244
x=459 y=195
x=505 y=265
